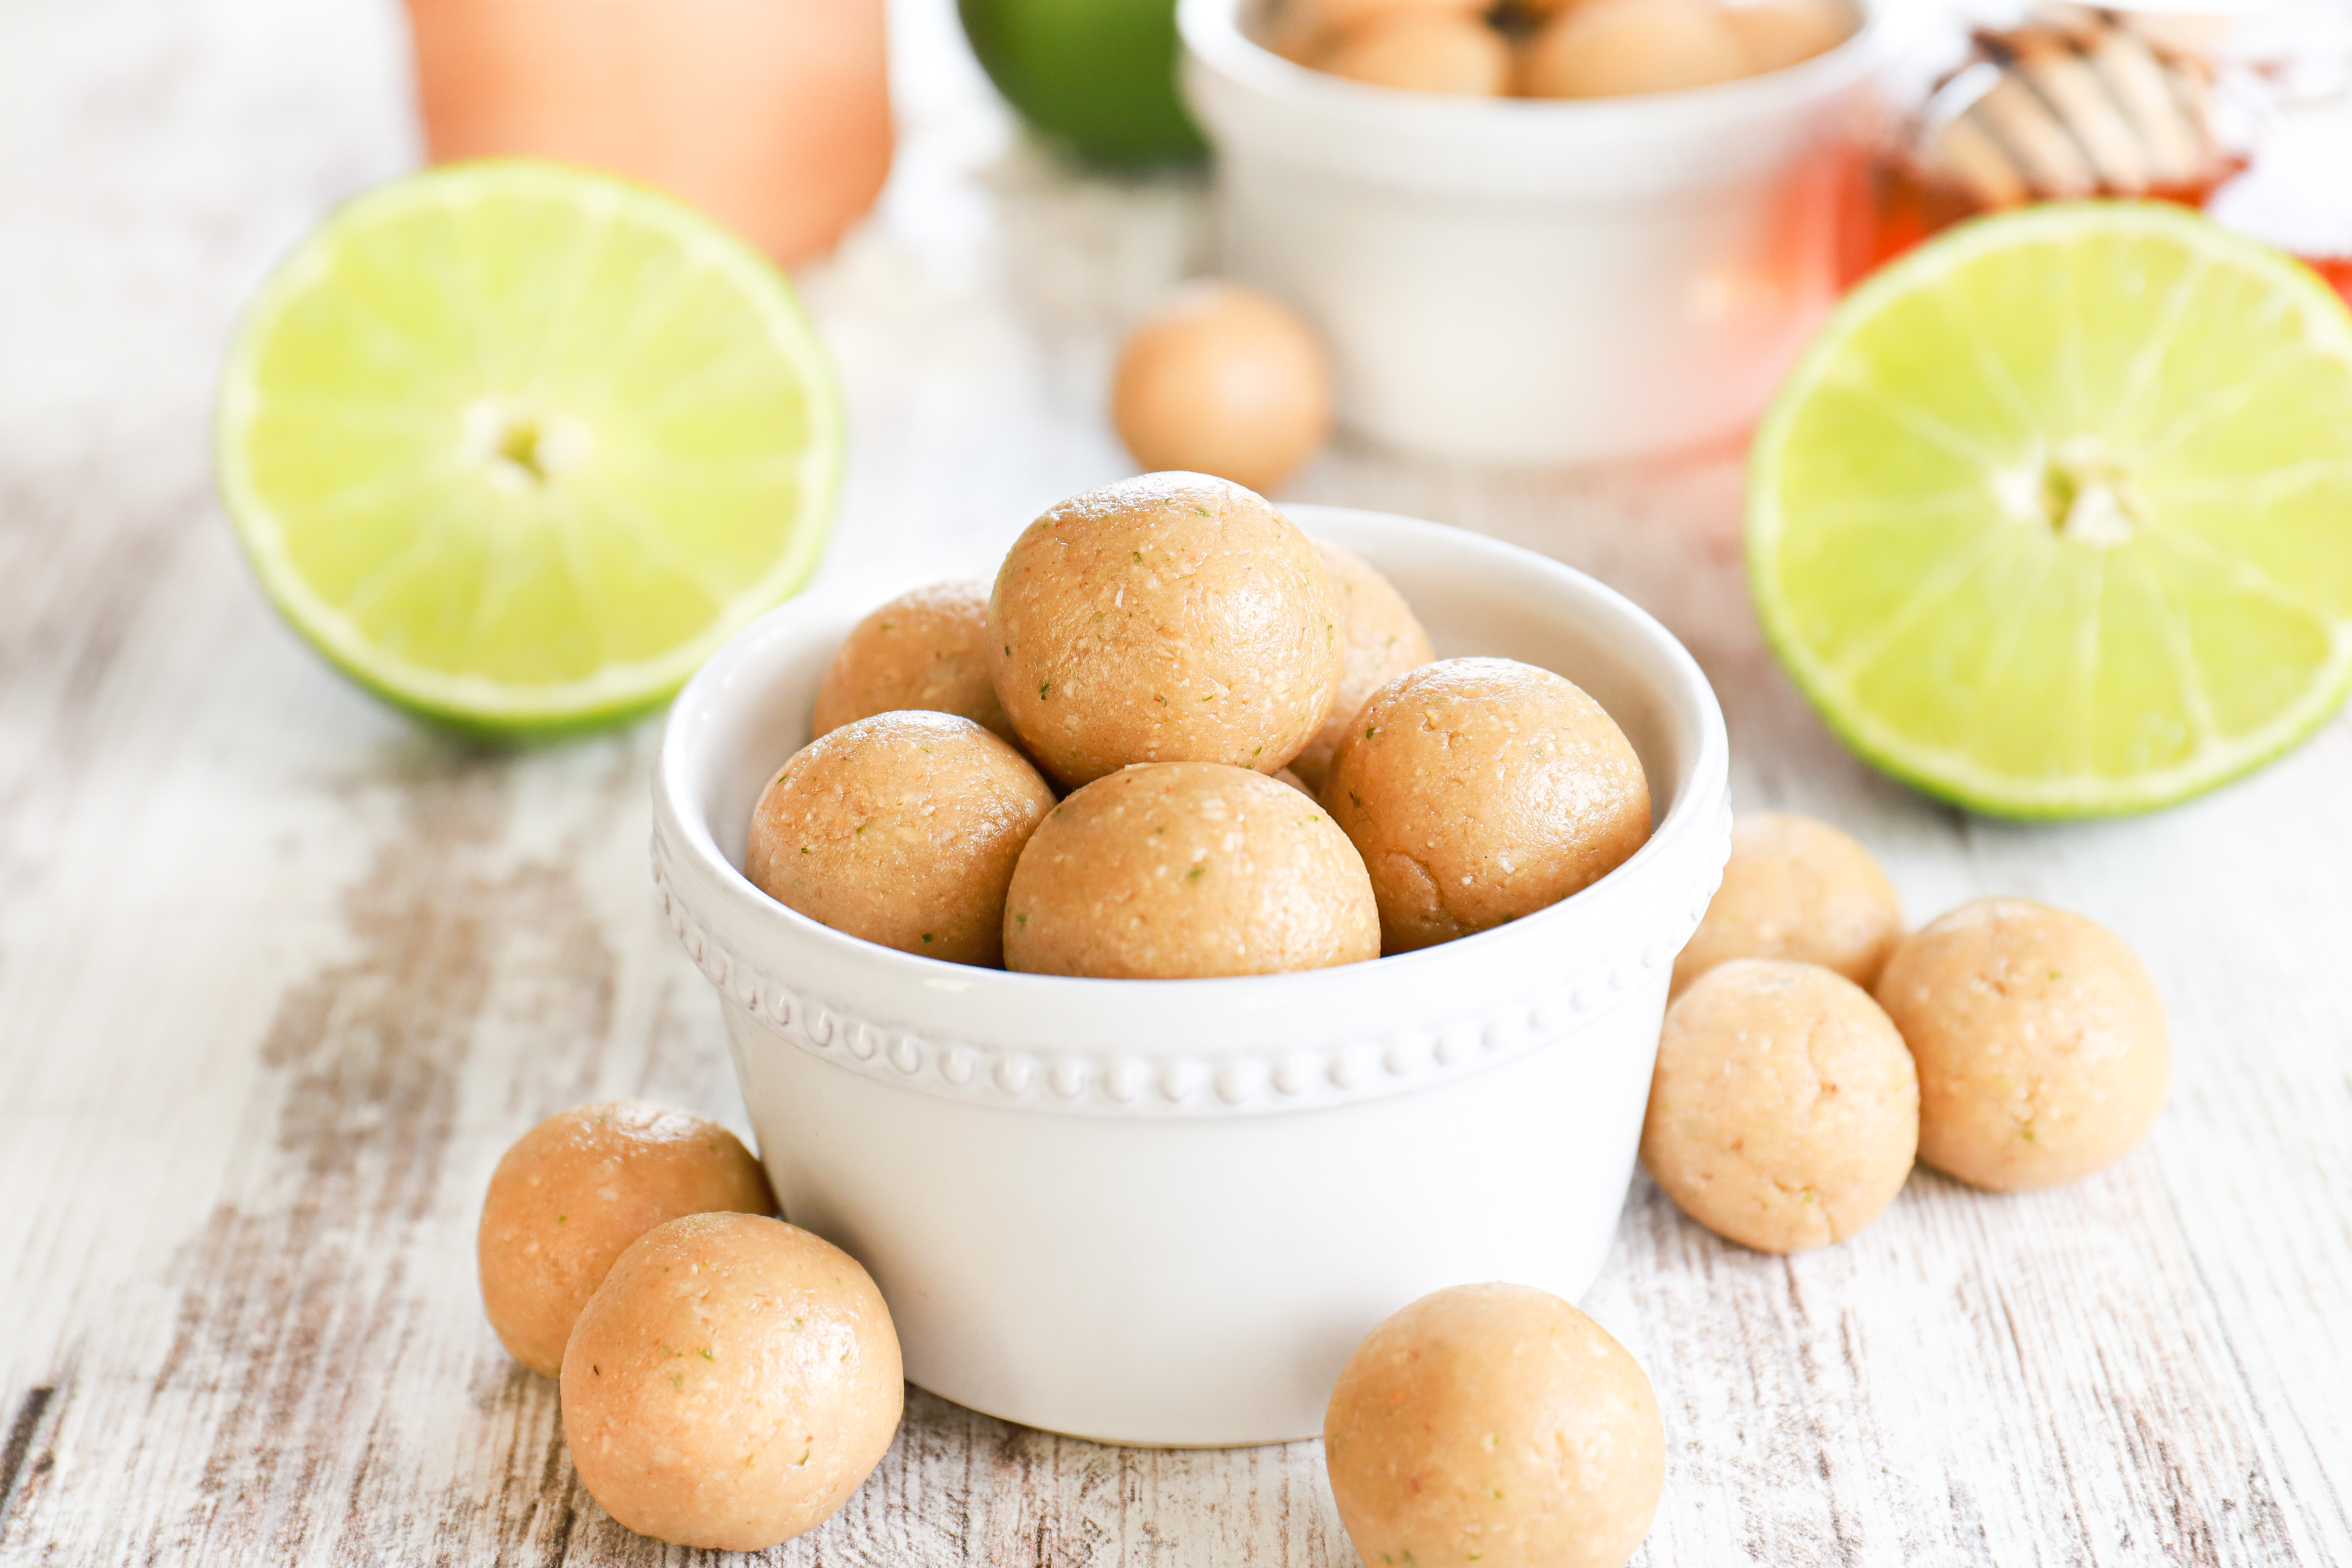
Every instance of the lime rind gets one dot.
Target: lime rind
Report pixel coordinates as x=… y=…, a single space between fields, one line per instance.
x=2086 y=592
x=620 y=684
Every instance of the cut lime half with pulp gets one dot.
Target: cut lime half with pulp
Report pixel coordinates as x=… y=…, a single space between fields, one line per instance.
x=518 y=446
x=2054 y=519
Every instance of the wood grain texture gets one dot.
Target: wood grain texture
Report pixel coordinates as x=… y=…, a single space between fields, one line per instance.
x=280 y=975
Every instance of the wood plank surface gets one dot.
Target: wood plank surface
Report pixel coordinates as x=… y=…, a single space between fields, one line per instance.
x=281 y=974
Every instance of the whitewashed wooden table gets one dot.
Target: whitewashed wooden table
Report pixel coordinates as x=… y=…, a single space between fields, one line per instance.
x=281 y=974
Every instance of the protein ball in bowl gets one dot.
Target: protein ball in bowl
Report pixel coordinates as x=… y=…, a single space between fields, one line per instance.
x=1608 y=48
x=1481 y=790
x=1180 y=870
x=902 y=828
x=1797 y=889
x=1382 y=640
x=2040 y=1039
x=1496 y=1423
x=1777 y=34
x=927 y=649
x=571 y=1194
x=1784 y=1112
x=1422 y=50
x=1171 y=618
x=731 y=1384
x=1340 y=15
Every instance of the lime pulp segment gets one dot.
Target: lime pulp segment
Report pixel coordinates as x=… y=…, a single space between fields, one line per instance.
x=2054 y=519
x=518 y=446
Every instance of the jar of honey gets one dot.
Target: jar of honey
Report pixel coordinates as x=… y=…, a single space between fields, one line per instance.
x=774 y=116
x=2247 y=115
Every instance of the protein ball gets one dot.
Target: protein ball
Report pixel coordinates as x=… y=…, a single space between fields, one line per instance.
x=1424 y=50
x=1784 y=1112
x=1495 y=1424
x=1480 y=790
x=1797 y=889
x=1608 y=48
x=1225 y=380
x=903 y=830
x=1339 y=16
x=1171 y=618
x=1177 y=870
x=731 y=1384
x=574 y=1193
x=2040 y=1040
x=1777 y=34
x=1382 y=639
x=927 y=649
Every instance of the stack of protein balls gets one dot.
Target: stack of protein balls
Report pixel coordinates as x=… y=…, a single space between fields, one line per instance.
x=728 y=1380
x=1267 y=771
x=2007 y=1043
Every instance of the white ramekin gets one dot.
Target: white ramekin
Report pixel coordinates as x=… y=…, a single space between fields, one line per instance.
x=1534 y=281
x=1163 y=1212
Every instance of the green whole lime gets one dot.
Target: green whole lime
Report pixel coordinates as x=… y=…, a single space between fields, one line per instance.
x=1097 y=77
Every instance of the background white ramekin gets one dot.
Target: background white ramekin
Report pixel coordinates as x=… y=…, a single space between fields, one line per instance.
x=1535 y=280
x=1163 y=1212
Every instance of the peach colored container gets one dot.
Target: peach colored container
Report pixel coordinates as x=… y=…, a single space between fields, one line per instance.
x=774 y=116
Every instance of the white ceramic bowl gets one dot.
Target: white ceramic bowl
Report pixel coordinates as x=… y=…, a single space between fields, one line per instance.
x=1163 y=1212
x=1527 y=280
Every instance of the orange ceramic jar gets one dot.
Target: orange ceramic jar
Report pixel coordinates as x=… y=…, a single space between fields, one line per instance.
x=774 y=116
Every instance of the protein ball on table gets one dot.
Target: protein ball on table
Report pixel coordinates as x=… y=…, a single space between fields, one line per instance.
x=1480 y=790
x=1801 y=890
x=1173 y=617
x=2040 y=1040
x=731 y=1384
x=1494 y=1423
x=571 y=1194
x=1225 y=380
x=1382 y=639
x=927 y=649
x=1177 y=870
x=903 y=830
x=1784 y=1112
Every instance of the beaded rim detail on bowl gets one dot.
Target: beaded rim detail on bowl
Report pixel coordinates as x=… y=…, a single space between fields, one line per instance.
x=1115 y=1083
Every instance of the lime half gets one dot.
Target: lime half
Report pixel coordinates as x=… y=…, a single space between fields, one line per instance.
x=2055 y=517
x=518 y=446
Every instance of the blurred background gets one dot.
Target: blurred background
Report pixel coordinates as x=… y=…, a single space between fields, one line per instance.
x=167 y=156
